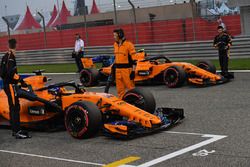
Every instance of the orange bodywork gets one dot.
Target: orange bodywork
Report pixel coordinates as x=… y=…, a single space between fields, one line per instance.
x=148 y=69
x=121 y=129
x=157 y=68
x=110 y=102
x=198 y=73
x=87 y=62
x=105 y=102
x=140 y=56
x=37 y=82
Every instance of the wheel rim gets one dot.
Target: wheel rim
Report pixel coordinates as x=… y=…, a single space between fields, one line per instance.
x=171 y=77
x=134 y=99
x=77 y=121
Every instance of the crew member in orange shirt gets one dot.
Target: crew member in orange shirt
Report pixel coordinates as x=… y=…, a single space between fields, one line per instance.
x=124 y=52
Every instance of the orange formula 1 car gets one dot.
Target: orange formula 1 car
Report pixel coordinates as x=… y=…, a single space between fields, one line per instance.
x=84 y=113
x=162 y=70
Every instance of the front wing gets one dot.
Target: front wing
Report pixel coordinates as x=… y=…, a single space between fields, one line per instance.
x=126 y=129
x=208 y=81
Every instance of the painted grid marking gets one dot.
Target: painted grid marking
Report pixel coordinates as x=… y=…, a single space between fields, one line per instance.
x=53 y=158
x=212 y=138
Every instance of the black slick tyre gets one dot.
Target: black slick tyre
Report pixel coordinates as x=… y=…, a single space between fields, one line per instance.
x=141 y=98
x=207 y=65
x=174 y=76
x=89 y=77
x=82 y=119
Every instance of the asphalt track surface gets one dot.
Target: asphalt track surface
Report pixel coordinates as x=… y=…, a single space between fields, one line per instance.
x=215 y=133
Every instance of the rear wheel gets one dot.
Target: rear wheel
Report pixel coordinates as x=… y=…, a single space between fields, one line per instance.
x=141 y=98
x=82 y=119
x=207 y=65
x=89 y=77
x=174 y=76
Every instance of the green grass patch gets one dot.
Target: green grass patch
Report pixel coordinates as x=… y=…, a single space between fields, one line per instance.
x=234 y=64
x=50 y=68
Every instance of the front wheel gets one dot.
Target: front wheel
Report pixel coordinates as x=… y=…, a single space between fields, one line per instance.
x=141 y=98
x=174 y=76
x=82 y=119
x=207 y=65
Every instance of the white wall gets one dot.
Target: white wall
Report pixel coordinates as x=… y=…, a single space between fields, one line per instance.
x=245 y=19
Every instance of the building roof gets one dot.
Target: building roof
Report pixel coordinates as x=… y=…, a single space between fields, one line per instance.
x=53 y=16
x=28 y=22
x=61 y=18
x=94 y=8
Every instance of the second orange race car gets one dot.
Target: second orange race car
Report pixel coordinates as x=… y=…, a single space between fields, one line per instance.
x=159 y=70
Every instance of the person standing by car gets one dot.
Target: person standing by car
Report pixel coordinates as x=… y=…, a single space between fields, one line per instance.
x=223 y=42
x=78 y=51
x=124 y=64
x=10 y=82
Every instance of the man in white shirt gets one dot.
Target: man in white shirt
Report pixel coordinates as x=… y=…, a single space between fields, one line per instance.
x=78 y=52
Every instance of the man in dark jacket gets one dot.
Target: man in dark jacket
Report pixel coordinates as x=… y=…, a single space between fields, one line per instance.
x=10 y=82
x=222 y=42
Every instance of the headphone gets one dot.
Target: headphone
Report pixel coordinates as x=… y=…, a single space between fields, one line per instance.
x=120 y=33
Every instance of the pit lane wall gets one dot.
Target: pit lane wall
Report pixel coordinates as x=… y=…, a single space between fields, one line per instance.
x=155 y=31
x=174 y=50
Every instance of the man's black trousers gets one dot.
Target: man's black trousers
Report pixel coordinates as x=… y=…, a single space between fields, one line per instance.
x=14 y=107
x=78 y=61
x=223 y=58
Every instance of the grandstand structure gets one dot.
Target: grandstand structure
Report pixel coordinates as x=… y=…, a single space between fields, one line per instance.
x=28 y=22
x=62 y=16
x=53 y=16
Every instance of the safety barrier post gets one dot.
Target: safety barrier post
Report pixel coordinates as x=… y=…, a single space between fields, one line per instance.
x=135 y=22
x=115 y=12
x=44 y=29
x=85 y=23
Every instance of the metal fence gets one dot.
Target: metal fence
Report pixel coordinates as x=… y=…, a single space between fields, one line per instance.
x=144 y=22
